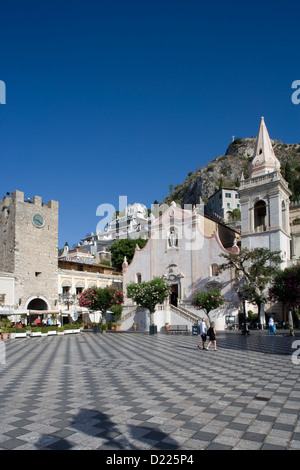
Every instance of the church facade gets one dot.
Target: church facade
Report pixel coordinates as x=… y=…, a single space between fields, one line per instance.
x=185 y=249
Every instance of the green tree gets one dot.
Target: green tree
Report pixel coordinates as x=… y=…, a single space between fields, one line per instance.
x=285 y=288
x=208 y=301
x=235 y=215
x=149 y=294
x=257 y=267
x=124 y=247
x=289 y=176
x=95 y=298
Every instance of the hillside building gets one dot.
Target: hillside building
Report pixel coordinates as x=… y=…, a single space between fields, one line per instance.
x=222 y=203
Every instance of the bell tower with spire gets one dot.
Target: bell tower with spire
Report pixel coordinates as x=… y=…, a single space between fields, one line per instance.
x=264 y=199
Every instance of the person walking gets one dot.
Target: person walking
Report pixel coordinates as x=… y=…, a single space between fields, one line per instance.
x=272 y=325
x=212 y=336
x=203 y=333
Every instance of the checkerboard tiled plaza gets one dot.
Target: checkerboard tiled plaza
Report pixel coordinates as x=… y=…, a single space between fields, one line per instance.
x=136 y=391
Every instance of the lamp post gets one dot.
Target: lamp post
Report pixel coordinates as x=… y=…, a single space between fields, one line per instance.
x=67 y=298
x=243 y=295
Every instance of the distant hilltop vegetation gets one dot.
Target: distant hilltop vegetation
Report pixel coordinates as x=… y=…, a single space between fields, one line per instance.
x=226 y=171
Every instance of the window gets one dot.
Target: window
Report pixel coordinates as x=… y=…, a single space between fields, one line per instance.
x=228 y=195
x=214 y=269
x=79 y=267
x=138 y=278
x=228 y=204
x=260 y=213
x=237 y=196
x=79 y=290
x=37 y=274
x=66 y=289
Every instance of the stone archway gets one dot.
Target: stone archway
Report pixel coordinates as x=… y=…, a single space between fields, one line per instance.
x=37 y=304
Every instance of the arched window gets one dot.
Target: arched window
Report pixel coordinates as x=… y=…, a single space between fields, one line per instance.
x=214 y=269
x=260 y=215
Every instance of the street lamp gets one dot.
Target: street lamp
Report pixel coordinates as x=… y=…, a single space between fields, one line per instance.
x=67 y=298
x=243 y=284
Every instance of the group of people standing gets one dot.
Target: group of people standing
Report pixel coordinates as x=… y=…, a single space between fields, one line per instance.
x=204 y=332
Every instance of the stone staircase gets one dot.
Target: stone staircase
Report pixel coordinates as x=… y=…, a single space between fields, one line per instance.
x=129 y=314
x=180 y=311
x=185 y=313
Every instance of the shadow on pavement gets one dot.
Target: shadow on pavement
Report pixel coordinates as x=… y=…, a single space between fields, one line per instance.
x=96 y=424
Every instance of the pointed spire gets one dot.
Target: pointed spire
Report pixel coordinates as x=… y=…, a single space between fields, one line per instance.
x=264 y=160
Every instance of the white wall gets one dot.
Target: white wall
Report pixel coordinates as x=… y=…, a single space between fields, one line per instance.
x=7 y=287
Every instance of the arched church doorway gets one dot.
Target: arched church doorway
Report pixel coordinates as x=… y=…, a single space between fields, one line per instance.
x=174 y=295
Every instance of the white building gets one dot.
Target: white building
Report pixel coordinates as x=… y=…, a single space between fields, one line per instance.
x=223 y=202
x=132 y=223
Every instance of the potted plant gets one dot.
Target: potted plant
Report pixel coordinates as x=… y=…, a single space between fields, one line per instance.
x=52 y=330
x=117 y=313
x=103 y=327
x=12 y=332
x=44 y=331
x=36 y=331
x=20 y=333
x=5 y=333
x=28 y=330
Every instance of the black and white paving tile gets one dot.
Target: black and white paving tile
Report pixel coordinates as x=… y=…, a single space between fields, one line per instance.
x=134 y=391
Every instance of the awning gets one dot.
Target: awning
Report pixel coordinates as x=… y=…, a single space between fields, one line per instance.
x=7 y=311
x=47 y=312
x=79 y=284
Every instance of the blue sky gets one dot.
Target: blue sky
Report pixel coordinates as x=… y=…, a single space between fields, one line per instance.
x=125 y=97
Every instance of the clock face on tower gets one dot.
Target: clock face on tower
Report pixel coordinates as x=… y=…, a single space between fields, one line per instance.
x=38 y=220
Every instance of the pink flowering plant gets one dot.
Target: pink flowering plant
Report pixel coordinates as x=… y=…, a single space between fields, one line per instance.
x=208 y=301
x=104 y=299
x=149 y=294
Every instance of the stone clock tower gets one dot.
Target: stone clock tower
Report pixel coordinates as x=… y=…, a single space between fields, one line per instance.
x=264 y=199
x=28 y=249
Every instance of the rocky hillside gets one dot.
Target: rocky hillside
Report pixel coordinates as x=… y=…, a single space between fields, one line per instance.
x=226 y=170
